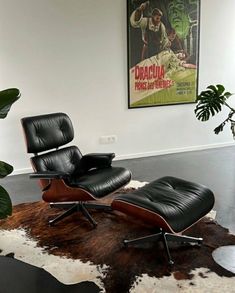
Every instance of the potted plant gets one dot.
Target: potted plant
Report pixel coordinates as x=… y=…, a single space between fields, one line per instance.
x=211 y=102
x=7 y=98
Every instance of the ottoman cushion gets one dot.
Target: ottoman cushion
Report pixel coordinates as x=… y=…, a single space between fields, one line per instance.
x=169 y=203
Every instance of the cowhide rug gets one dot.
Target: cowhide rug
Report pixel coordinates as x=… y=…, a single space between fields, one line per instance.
x=73 y=252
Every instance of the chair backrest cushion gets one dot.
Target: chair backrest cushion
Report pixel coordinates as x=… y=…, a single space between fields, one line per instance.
x=63 y=160
x=45 y=132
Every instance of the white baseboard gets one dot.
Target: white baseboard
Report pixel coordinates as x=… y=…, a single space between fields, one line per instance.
x=174 y=151
x=151 y=154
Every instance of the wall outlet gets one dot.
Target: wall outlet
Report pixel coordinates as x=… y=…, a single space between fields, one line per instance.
x=106 y=139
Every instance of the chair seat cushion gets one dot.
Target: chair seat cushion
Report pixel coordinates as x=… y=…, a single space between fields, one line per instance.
x=174 y=202
x=101 y=182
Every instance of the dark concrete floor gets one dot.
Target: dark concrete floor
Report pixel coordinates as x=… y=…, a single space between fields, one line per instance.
x=214 y=168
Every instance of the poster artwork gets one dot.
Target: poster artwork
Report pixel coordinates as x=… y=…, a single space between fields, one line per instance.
x=163 y=40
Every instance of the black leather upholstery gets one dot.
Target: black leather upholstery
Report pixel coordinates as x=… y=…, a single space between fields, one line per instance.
x=67 y=178
x=92 y=172
x=94 y=160
x=181 y=203
x=49 y=175
x=101 y=182
x=63 y=160
x=45 y=132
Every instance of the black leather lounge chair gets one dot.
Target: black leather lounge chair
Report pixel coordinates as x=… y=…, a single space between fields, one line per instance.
x=69 y=179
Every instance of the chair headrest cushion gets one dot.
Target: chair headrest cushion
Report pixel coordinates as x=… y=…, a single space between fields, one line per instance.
x=45 y=132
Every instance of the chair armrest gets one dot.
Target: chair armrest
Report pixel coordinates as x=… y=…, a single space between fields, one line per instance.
x=49 y=175
x=104 y=158
x=97 y=160
x=94 y=161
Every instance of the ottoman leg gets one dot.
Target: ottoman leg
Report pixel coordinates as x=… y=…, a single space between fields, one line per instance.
x=164 y=237
x=170 y=261
x=153 y=237
x=183 y=238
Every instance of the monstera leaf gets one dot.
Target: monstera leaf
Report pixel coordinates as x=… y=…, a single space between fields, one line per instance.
x=5 y=204
x=5 y=169
x=5 y=201
x=210 y=101
x=7 y=98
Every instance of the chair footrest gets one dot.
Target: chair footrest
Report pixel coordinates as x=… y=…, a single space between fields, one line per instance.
x=152 y=203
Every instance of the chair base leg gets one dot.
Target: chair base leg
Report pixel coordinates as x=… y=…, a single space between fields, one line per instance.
x=67 y=213
x=164 y=237
x=165 y=243
x=183 y=238
x=88 y=216
x=141 y=240
x=62 y=205
x=77 y=207
x=94 y=206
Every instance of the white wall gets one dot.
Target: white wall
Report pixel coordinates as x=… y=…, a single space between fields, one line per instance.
x=70 y=55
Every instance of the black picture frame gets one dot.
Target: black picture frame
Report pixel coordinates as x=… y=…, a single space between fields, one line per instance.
x=163 y=52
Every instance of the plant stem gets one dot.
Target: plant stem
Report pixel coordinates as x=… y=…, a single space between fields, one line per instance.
x=232 y=110
x=230 y=115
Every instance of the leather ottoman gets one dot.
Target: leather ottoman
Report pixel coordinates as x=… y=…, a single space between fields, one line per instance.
x=169 y=203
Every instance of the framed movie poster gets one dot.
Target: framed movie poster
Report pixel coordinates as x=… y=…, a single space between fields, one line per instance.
x=163 y=44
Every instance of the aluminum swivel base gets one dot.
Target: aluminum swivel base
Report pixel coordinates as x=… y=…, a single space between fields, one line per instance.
x=164 y=237
x=77 y=207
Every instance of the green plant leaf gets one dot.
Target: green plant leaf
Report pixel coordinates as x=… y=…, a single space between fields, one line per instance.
x=220 y=89
x=5 y=169
x=219 y=128
x=212 y=87
x=210 y=102
x=227 y=94
x=7 y=98
x=5 y=204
